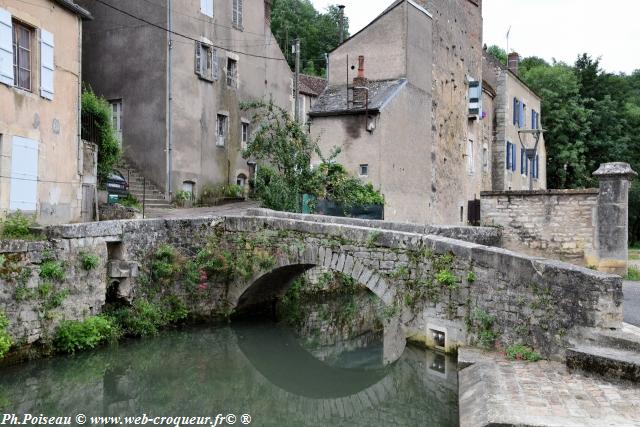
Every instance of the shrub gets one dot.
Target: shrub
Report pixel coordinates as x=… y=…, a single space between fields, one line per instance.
x=633 y=274
x=447 y=278
x=147 y=318
x=130 y=202
x=181 y=197
x=73 y=335
x=52 y=270
x=17 y=226
x=521 y=352
x=89 y=261
x=484 y=323
x=5 y=338
x=97 y=123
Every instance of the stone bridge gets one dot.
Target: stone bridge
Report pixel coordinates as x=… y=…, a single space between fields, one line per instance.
x=442 y=286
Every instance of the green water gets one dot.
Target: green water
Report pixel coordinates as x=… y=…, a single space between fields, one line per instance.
x=260 y=369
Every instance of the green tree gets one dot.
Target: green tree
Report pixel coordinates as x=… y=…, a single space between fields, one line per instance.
x=96 y=114
x=499 y=53
x=319 y=33
x=567 y=124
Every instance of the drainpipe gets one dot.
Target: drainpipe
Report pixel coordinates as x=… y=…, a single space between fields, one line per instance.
x=80 y=154
x=169 y=189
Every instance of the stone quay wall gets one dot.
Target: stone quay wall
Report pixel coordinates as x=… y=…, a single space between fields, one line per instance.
x=429 y=284
x=557 y=224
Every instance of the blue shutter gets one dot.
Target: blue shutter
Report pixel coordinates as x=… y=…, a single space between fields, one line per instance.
x=6 y=48
x=515 y=111
x=507 y=163
x=522 y=162
x=514 y=163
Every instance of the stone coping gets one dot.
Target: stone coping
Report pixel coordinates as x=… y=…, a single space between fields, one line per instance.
x=535 y=193
x=490 y=236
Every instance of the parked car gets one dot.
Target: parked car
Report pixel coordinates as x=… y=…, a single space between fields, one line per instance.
x=117 y=186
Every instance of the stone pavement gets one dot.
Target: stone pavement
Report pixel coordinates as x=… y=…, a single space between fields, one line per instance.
x=495 y=391
x=186 y=213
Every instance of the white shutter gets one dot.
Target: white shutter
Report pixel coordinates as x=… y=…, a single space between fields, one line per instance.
x=214 y=64
x=24 y=174
x=239 y=13
x=234 y=18
x=47 y=67
x=206 y=7
x=6 y=48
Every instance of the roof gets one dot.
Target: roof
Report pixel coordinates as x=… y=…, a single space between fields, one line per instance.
x=72 y=7
x=312 y=86
x=493 y=60
x=333 y=101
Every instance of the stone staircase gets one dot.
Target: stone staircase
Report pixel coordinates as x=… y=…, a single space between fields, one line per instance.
x=154 y=198
x=612 y=353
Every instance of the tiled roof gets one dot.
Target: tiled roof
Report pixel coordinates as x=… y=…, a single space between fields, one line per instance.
x=310 y=85
x=333 y=100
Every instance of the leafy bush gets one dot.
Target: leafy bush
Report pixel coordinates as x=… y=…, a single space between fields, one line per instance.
x=146 y=318
x=633 y=274
x=17 y=226
x=96 y=120
x=52 y=270
x=521 y=352
x=210 y=194
x=484 y=323
x=73 y=335
x=181 y=197
x=130 y=202
x=89 y=261
x=447 y=278
x=5 y=338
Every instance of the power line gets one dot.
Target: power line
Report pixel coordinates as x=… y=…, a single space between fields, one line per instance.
x=124 y=12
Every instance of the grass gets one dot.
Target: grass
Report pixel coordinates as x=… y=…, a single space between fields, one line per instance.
x=17 y=226
x=633 y=274
x=634 y=254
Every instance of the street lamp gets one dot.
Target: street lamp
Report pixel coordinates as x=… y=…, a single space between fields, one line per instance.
x=531 y=152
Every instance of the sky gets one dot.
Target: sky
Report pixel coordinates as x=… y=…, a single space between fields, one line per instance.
x=560 y=29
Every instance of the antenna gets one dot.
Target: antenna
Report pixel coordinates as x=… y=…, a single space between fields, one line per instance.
x=508 y=34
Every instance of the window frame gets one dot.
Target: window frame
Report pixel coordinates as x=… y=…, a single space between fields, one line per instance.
x=204 y=7
x=237 y=14
x=117 y=118
x=221 y=140
x=206 y=70
x=232 y=78
x=364 y=166
x=245 y=133
x=17 y=25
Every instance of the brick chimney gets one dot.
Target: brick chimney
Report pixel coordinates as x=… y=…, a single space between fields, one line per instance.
x=360 y=85
x=513 y=61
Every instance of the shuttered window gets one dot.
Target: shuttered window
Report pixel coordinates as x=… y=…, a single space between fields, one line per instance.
x=513 y=158
x=6 y=48
x=24 y=174
x=22 y=47
x=46 y=64
x=516 y=109
x=206 y=7
x=206 y=61
x=237 y=14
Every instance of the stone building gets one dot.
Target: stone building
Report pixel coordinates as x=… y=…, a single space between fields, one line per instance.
x=310 y=89
x=41 y=152
x=176 y=94
x=515 y=108
x=411 y=120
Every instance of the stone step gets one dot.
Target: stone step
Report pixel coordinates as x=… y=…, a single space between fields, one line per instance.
x=605 y=361
x=625 y=338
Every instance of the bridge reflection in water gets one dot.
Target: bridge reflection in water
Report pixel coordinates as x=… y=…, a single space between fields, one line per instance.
x=259 y=369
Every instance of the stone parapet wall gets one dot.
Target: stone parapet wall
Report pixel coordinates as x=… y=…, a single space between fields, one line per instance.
x=489 y=236
x=558 y=224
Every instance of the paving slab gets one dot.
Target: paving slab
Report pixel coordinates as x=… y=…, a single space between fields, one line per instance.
x=510 y=393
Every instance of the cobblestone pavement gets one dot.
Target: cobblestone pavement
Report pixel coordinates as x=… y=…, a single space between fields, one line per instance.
x=632 y=303
x=230 y=209
x=544 y=394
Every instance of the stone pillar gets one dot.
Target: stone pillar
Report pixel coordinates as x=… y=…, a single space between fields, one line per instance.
x=612 y=229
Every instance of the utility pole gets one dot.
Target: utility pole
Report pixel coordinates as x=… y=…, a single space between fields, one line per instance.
x=297 y=80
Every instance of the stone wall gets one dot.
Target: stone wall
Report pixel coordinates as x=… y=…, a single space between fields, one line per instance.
x=431 y=283
x=557 y=224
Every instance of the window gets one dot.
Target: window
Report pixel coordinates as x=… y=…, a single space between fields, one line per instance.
x=364 y=170
x=237 y=14
x=244 y=138
x=221 y=132
x=189 y=188
x=508 y=159
x=535 y=119
x=241 y=180
x=485 y=157
x=475 y=98
x=524 y=162
x=22 y=46
x=523 y=116
x=206 y=62
x=511 y=157
x=516 y=110
x=470 y=167
x=206 y=7
x=536 y=167
x=232 y=72
x=24 y=174
x=116 y=116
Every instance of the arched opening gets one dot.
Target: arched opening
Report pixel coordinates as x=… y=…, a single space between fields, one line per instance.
x=241 y=180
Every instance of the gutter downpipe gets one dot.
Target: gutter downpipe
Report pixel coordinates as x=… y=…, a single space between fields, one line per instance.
x=169 y=190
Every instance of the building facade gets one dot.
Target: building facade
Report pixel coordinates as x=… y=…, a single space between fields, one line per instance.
x=311 y=87
x=176 y=74
x=418 y=135
x=518 y=163
x=41 y=152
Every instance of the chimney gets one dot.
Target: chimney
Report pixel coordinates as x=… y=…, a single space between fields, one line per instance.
x=268 y=4
x=513 y=61
x=360 y=84
x=341 y=7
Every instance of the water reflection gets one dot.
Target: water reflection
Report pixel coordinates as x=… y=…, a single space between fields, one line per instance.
x=260 y=369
